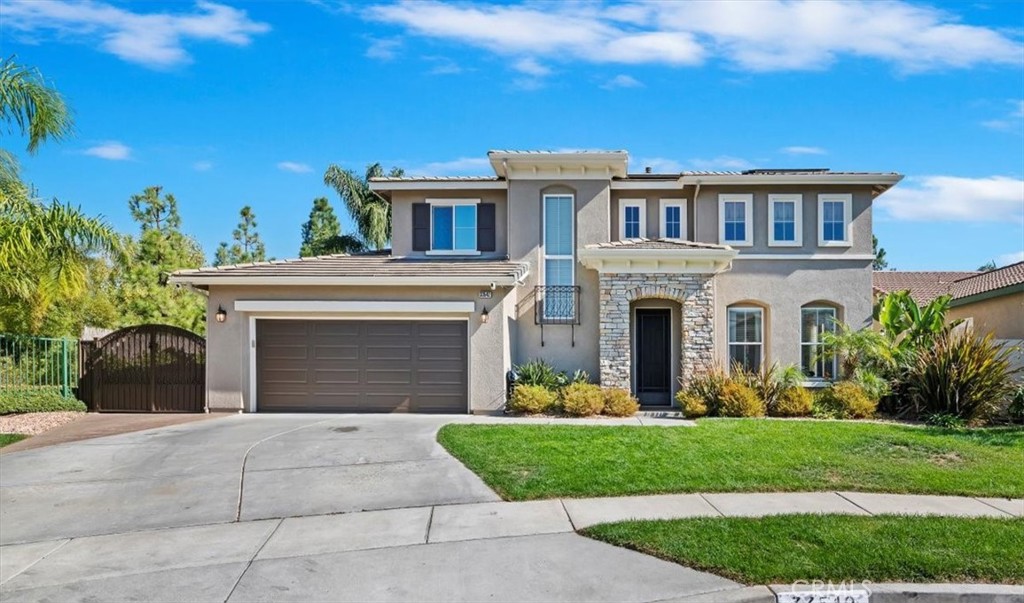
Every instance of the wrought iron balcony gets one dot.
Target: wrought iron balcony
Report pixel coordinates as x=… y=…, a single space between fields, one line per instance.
x=557 y=305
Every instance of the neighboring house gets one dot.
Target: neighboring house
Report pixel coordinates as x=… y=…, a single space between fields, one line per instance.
x=990 y=302
x=643 y=280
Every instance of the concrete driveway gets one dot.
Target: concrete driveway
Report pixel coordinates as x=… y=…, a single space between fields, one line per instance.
x=295 y=507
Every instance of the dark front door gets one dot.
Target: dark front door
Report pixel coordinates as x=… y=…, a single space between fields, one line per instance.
x=653 y=356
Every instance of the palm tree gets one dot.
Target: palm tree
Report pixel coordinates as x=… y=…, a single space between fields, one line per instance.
x=45 y=249
x=370 y=212
x=37 y=110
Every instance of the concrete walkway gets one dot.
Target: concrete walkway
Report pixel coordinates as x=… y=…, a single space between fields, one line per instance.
x=343 y=508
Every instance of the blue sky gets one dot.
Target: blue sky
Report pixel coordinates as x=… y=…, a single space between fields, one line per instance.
x=228 y=104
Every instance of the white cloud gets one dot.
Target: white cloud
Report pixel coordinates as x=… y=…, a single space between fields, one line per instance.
x=530 y=66
x=622 y=81
x=111 y=150
x=722 y=162
x=202 y=166
x=463 y=166
x=951 y=198
x=294 y=167
x=154 y=40
x=797 y=150
x=443 y=66
x=383 y=49
x=770 y=35
x=1010 y=258
x=1013 y=121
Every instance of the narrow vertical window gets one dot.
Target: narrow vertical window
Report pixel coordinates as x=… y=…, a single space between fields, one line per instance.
x=815 y=322
x=834 y=214
x=632 y=221
x=785 y=220
x=746 y=337
x=673 y=219
x=734 y=221
x=559 y=238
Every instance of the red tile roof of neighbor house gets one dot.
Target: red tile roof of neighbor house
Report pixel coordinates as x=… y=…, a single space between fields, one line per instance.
x=926 y=286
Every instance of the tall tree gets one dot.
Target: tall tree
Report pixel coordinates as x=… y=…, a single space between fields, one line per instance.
x=370 y=212
x=161 y=248
x=880 y=262
x=248 y=246
x=321 y=234
x=988 y=266
x=46 y=250
x=36 y=110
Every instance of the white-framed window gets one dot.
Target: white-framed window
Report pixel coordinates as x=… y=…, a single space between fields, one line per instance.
x=673 y=219
x=735 y=220
x=746 y=337
x=559 y=261
x=453 y=226
x=814 y=322
x=632 y=219
x=785 y=220
x=835 y=212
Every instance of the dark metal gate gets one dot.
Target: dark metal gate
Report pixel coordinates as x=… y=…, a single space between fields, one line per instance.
x=146 y=368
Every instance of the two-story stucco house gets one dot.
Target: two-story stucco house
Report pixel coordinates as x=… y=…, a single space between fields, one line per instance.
x=642 y=280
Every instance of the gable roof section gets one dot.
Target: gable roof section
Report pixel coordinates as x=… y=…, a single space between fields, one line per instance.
x=994 y=282
x=362 y=269
x=923 y=286
x=926 y=286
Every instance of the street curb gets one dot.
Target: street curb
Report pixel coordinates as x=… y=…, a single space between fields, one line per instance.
x=900 y=592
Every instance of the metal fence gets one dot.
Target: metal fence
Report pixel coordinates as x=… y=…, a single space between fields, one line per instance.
x=38 y=362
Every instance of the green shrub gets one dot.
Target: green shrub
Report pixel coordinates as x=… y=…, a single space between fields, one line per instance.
x=768 y=382
x=874 y=385
x=619 y=403
x=580 y=376
x=691 y=404
x=1016 y=408
x=845 y=400
x=960 y=374
x=739 y=400
x=793 y=402
x=582 y=400
x=23 y=399
x=708 y=386
x=539 y=372
x=532 y=399
x=944 y=420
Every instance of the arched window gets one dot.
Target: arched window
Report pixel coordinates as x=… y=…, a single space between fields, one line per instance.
x=746 y=336
x=815 y=320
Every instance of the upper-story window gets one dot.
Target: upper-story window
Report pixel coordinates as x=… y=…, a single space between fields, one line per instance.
x=559 y=237
x=746 y=337
x=453 y=226
x=815 y=321
x=673 y=219
x=834 y=216
x=735 y=220
x=632 y=218
x=785 y=227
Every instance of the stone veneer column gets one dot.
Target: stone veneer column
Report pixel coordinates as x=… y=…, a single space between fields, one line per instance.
x=696 y=295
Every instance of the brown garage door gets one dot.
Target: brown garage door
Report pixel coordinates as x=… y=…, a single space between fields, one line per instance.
x=361 y=366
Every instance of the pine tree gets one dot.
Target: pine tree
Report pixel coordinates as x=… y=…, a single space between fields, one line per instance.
x=321 y=234
x=248 y=246
x=880 y=262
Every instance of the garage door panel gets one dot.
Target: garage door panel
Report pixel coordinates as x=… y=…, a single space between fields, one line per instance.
x=353 y=366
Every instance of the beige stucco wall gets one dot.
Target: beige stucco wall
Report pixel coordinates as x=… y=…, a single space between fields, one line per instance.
x=525 y=236
x=707 y=218
x=1002 y=316
x=401 y=216
x=230 y=344
x=782 y=288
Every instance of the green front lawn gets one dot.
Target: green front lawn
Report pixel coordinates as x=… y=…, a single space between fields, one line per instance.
x=741 y=455
x=785 y=548
x=10 y=438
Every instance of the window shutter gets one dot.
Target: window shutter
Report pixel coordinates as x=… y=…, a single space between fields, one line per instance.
x=421 y=227
x=485 y=235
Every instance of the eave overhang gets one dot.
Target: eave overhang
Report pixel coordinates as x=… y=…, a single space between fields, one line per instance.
x=657 y=261
x=591 y=165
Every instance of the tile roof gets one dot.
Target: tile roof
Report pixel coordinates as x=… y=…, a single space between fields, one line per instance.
x=366 y=265
x=656 y=244
x=993 y=280
x=923 y=286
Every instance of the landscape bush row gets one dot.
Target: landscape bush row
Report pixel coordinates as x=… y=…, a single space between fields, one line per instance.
x=23 y=399
x=540 y=389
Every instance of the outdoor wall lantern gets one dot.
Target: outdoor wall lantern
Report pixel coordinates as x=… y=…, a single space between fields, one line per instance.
x=222 y=314
x=484 y=315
